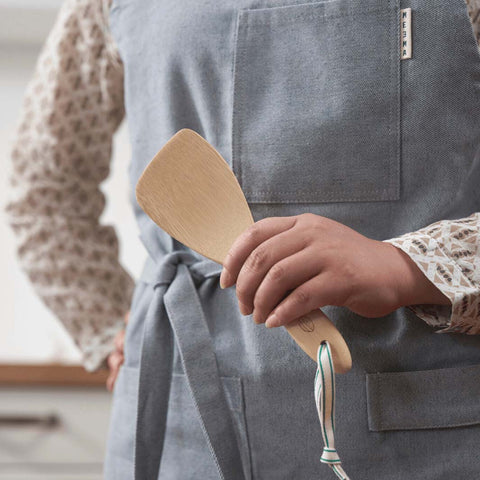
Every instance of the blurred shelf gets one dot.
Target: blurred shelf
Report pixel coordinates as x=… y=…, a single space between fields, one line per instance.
x=51 y=375
x=53 y=423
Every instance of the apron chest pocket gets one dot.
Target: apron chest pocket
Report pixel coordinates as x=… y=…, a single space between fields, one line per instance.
x=316 y=102
x=439 y=398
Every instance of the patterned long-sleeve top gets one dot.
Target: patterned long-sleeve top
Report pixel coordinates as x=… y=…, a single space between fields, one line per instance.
x=61 y=154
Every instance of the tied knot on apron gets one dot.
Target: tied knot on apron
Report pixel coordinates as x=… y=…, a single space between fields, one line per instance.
x=175 y=317
x=325 y=402
x=164 y=272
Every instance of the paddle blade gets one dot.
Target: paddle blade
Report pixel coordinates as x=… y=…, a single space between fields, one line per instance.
x=189 y=191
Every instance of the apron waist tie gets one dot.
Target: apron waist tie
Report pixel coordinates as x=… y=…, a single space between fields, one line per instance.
x=176 y=307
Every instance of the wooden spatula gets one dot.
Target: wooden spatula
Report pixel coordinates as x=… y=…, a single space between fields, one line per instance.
x=189 y=191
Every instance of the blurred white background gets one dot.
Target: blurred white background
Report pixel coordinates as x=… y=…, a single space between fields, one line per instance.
x=29 y=333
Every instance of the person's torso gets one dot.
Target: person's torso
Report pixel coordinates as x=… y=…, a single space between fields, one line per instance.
x=312 y=107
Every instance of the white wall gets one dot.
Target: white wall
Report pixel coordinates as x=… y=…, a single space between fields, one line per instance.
x=28 y=331
x=26 y=22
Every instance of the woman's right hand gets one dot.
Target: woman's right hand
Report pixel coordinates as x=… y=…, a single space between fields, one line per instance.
x=115 y=359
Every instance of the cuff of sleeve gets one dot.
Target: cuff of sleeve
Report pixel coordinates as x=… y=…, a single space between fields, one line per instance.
x=462 y=316
x=95 y=354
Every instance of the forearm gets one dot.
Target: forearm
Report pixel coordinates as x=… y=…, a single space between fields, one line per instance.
x=61 y=154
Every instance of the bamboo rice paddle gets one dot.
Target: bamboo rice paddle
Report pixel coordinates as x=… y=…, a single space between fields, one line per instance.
x=190 y=192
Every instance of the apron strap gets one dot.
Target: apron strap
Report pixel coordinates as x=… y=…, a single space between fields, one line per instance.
x=200 y=365
x=154 y=389
x=176 y=306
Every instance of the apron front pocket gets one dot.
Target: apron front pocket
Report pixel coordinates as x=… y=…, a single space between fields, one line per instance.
x=316 y=102
x=439 y=398
x=186 y=453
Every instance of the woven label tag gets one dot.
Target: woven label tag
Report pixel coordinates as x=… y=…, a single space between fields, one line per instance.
x=405 y=33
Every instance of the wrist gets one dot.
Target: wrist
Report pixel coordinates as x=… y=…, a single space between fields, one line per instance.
x=413 y=286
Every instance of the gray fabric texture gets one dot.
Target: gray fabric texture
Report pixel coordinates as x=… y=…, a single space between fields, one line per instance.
x=314 y=110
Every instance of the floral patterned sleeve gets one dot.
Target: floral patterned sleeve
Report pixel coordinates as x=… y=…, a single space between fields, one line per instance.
x=473 y=8
x=448 y=253
x=61 y=154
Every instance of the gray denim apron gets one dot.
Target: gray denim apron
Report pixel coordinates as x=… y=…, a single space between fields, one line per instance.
x=313 y=108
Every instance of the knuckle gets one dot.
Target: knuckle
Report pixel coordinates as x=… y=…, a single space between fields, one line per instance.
x=277 y=272
x=307 y=216
x=259 y=303
x=253 y=233
x=318 y=226
x=351 y=271
x=301 y=297
x=349 y=277
x=257 y=259
x=242 y=292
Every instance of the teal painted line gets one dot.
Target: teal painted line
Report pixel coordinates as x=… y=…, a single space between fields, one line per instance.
x=339 y=474
x=323 y=383
x=333 y=389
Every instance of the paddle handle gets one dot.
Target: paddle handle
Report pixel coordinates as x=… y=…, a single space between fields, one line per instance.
x=310 y=330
